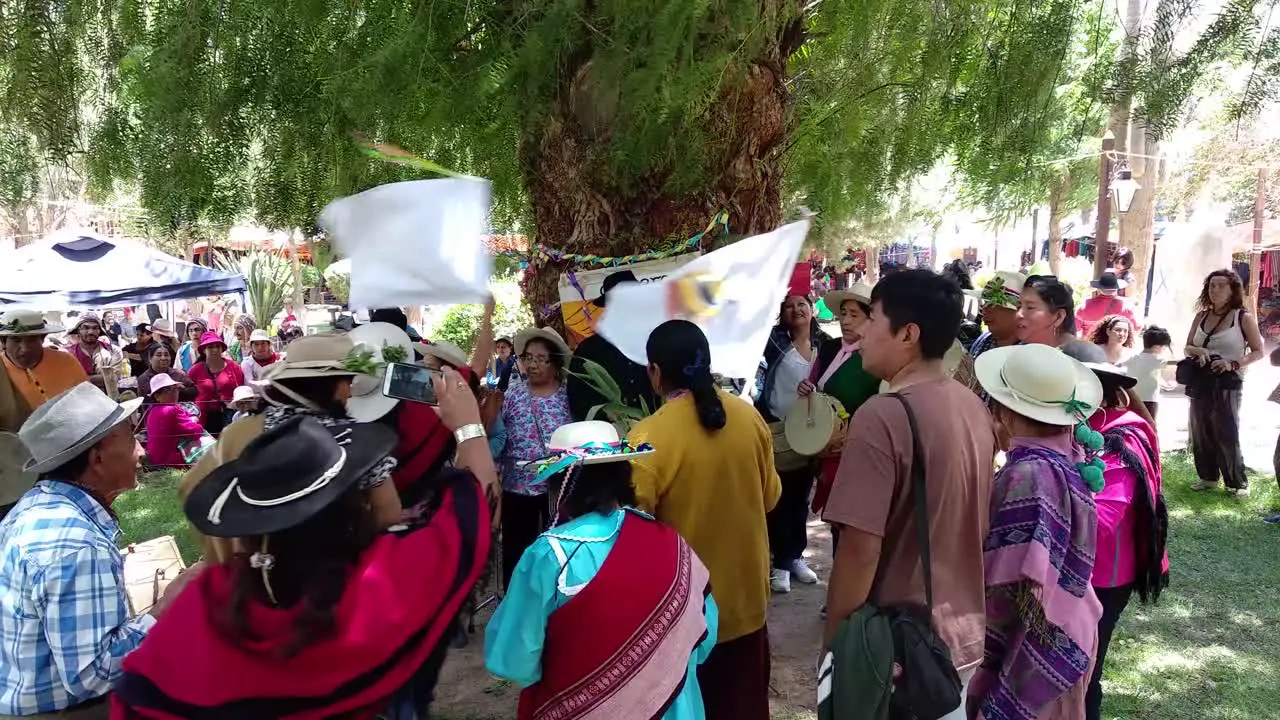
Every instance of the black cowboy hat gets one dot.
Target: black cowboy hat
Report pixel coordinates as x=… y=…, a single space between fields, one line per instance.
x=1108 y=281
x=286 y=476
x=611 y=281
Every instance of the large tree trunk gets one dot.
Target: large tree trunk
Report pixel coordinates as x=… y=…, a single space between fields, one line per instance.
x=1137 y=225
x=1057 y=200
x=576 y=199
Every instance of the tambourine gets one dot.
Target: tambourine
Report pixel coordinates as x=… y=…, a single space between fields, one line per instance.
x=816 y=424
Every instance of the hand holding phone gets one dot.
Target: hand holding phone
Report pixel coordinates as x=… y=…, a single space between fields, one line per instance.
x=458 y=405
x=406 y=381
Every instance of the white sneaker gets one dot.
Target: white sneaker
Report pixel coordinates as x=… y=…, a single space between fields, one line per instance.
x=1239 y=492
x=1200 y=486
x=780 y=581
x=803 y=573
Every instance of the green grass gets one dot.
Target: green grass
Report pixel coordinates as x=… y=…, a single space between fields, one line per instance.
x=153 y=510
x=1209 y=651
x=1211 y=648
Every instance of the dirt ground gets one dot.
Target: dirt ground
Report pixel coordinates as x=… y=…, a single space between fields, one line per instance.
x=467 y=692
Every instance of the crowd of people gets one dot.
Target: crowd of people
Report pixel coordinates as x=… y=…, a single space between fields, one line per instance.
x=980 y=574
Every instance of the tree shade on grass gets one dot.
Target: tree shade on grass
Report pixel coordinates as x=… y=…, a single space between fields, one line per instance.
x=1208 y=651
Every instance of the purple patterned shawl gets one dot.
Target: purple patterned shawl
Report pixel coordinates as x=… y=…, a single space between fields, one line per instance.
x=1042 y=615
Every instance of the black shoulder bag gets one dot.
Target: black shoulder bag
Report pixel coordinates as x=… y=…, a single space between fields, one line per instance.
x=930 y=686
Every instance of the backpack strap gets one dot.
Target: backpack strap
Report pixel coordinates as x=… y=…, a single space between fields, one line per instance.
x=920 y=502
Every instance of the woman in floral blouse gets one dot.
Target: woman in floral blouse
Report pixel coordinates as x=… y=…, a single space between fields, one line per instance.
x=531 y=411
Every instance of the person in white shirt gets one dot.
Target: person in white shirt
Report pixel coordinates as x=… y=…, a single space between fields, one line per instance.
x=260 y=356
x=1146 y=366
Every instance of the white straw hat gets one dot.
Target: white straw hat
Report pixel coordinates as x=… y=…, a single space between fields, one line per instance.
x=367 y=403
x=259 y=335
x=69 y=424
x=242 y=393
x=1039 y=382
x=25 y=323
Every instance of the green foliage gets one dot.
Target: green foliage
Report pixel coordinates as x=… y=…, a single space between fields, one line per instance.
x=340 y=285
x=461 y=324
x=310 y=276
x=216 y=108
x=1161 y=78
x=613 y=409
x=269 y=279
x=214 y=111
x=1023 y=171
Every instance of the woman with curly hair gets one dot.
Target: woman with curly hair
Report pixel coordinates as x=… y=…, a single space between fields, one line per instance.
x=1114 y=334
x=1224 y=339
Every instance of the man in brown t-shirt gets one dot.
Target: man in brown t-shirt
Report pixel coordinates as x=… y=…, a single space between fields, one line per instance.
x=915 y=316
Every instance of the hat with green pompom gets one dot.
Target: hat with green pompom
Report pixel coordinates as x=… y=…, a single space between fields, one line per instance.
x=1040 y=383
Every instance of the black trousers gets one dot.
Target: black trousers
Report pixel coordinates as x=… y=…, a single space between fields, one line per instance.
x=1114 y=600
x=787 y=521
x=1215 y=437
x=524 y=517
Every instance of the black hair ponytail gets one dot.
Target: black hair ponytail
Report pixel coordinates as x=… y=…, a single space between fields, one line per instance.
x=680 y=350
x=707 y=401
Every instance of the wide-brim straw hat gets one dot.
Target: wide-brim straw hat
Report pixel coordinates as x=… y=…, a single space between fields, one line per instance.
x=524 y=336
x=26 y=323
x=320 y=355
x=367 y=403
x=859 y=291
x=446 y=352
x=70 y=423
x=591 y=442
x=1039 y=382
x=242 y=393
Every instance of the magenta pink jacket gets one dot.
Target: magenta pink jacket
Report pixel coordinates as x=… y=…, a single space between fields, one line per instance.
x=1116 y=559
x=167 y=425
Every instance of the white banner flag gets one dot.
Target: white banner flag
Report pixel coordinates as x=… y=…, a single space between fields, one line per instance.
x=414 y=243
x=733 y=294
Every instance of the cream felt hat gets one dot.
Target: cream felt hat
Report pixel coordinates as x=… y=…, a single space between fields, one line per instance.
x=859 y=291
x=24 y=323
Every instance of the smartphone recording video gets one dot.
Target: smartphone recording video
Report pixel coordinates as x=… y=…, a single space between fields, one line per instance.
x=410 y=382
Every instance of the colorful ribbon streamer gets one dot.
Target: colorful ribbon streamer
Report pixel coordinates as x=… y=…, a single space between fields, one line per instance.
x=543 y=253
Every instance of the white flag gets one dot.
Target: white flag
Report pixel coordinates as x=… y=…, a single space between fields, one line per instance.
x=414 y=243
x=733 y=294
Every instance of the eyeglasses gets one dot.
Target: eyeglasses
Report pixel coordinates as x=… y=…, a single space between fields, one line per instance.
x=528 y=359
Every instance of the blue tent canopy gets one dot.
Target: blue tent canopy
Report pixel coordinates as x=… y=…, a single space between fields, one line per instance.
x=79 y=268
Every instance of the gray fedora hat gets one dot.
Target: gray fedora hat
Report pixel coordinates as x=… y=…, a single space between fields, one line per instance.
x=70 y=423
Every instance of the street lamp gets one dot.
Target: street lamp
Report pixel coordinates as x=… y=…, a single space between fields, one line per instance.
x=1123 y=188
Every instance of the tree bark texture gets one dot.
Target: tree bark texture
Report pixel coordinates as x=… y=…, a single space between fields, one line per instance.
x=580 y=206
x=1057 y=200
x=1137 y=226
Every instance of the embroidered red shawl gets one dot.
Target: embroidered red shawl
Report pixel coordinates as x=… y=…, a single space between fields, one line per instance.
x=621 y=646
x=400 y=600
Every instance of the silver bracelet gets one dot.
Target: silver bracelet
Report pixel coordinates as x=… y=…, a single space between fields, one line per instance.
x=469 y=432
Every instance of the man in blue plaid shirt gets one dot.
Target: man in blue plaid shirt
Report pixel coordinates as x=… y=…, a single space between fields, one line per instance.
x=64 y=619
